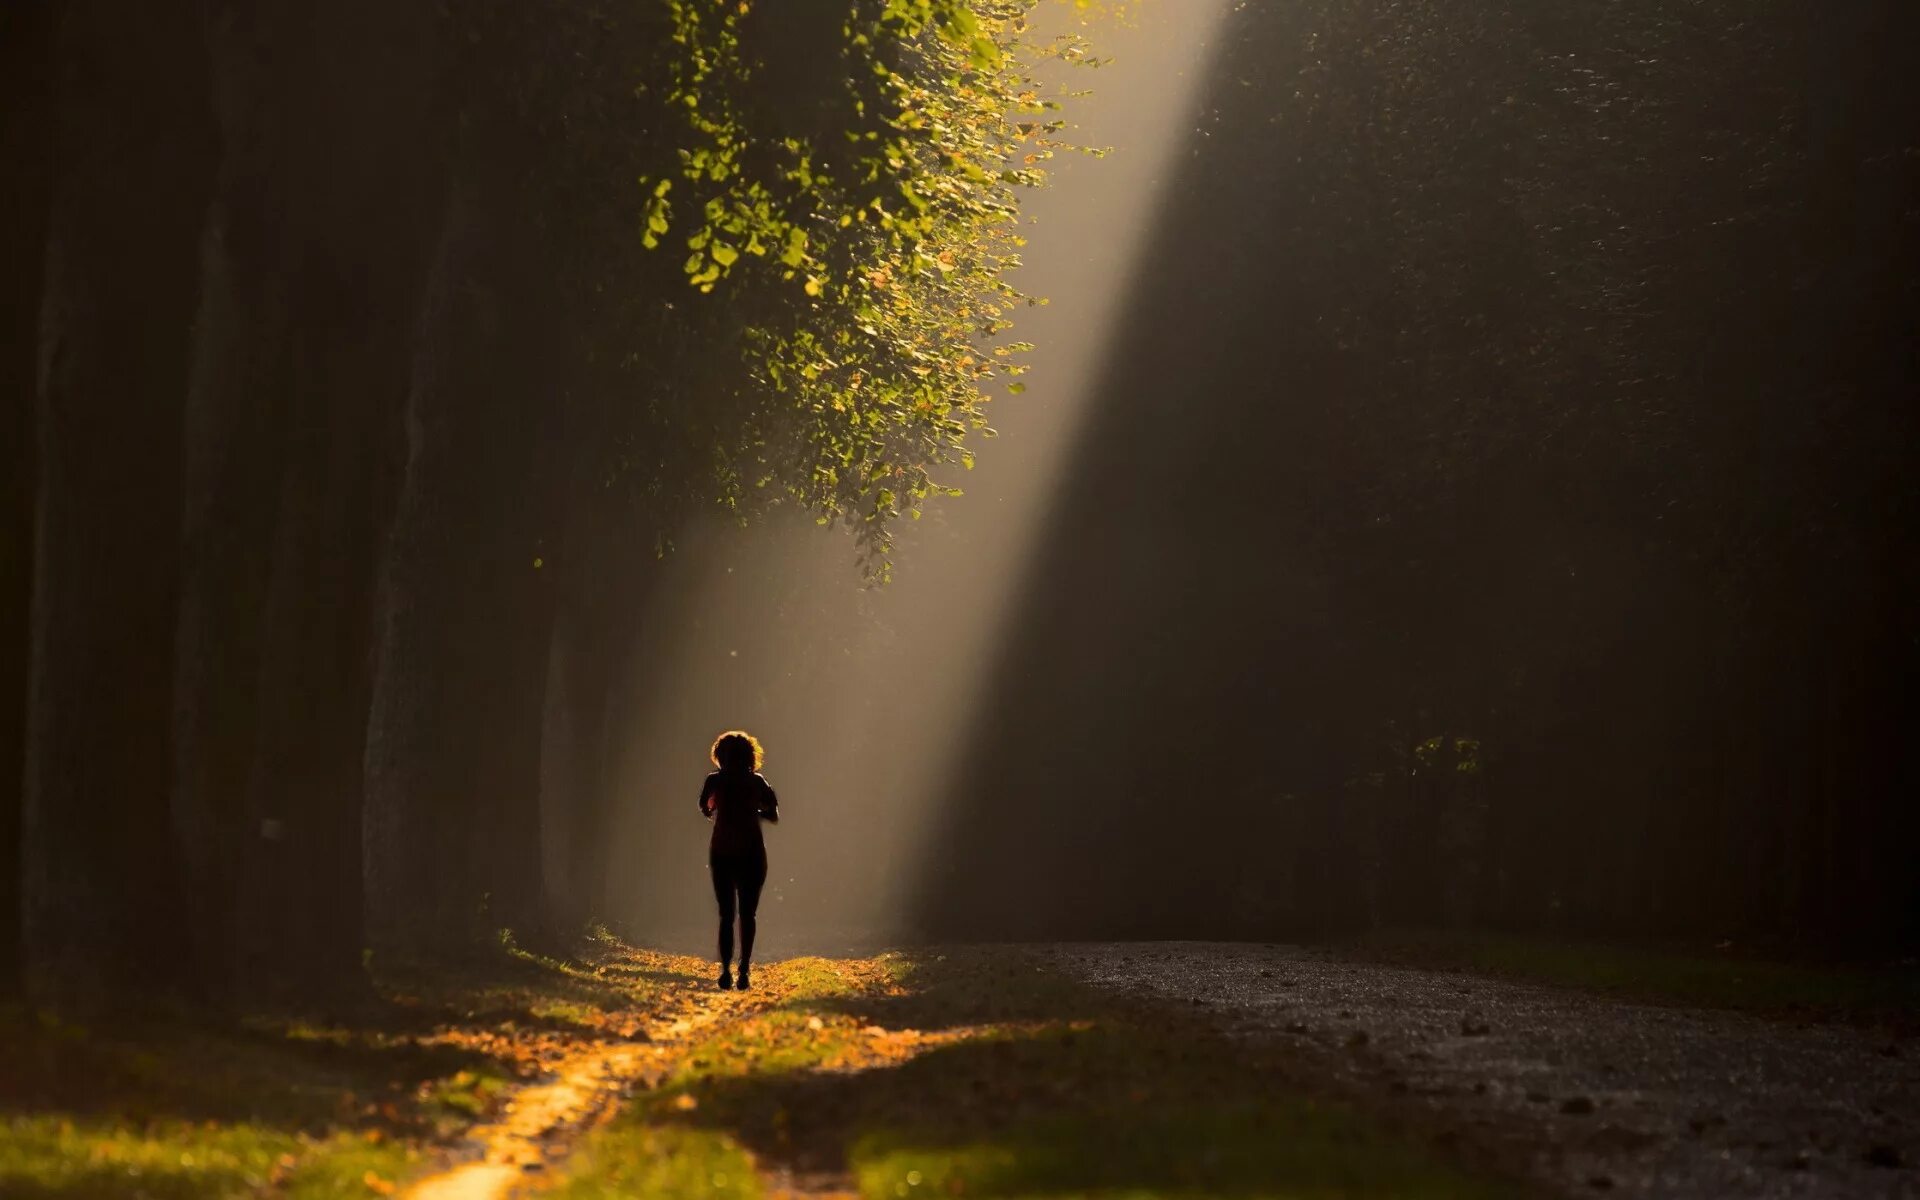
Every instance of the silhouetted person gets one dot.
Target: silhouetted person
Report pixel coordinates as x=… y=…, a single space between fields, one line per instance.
x=736 y=799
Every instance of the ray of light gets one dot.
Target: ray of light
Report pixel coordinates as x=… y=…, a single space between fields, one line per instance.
x=863 y=698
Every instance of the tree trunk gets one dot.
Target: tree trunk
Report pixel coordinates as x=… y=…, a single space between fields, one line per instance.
x=510 y=855
x=236 y=426
x=415 y=881
x=101 y=898
x=454 y=848
x=588 y=655
x=362 y=188
x=562 y=747
x=505 y=590
x=26 y=34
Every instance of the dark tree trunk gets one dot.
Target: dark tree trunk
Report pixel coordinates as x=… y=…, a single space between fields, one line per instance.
x=362 y=186
x=591 y=650
x=564 y=749
x=26 y=35
x=409 y=908
x=102 y=895
x=509 y=853
x=571 y=770
x=236 y=427
x=454 y=852
x=300 y=876
x=504 y=586
x=504 y=603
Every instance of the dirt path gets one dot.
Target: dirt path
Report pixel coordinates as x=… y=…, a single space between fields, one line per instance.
x=540 y=1123
x=1583 y=1093
x=982 y=1071
x=535 y=1124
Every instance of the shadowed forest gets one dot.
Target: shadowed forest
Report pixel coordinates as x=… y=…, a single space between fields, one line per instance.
x=1501 y=505
x=357 y=409
x=1488 y=510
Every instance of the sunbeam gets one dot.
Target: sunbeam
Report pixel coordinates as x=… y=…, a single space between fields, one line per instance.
x=863 y=697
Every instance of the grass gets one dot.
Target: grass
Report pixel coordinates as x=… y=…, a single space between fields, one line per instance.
x=641 y=1159
x=45 y=1157
x=965 y=1073
x=288 y=1105
x=972 y=1073
x=1710 y=978
x=1223 y=1150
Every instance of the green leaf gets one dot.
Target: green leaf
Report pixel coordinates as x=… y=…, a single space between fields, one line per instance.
x=795 y=253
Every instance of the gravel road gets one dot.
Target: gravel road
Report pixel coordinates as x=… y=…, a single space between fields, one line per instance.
x=1588 y=1095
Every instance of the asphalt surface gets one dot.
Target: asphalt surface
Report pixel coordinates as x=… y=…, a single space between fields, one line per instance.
x=1583 y=1094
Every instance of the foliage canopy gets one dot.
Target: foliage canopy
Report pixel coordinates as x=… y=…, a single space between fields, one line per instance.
x=855 y=198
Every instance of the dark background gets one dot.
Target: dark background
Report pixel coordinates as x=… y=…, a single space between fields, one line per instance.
x=1487 y=500
x=1499 y=503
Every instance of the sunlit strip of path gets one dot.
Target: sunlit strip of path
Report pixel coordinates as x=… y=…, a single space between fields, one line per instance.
x=585 y=1089
x=540 y=1122
x=530 y=1146
x=1093 y=228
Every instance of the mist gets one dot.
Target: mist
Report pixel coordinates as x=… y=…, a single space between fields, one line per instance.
x=863 y=694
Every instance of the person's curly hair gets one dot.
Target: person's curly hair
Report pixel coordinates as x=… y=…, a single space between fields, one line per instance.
x=738 y=750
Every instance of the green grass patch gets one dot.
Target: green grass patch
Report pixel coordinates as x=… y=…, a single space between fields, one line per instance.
x=810 y=980
x=639 y=1159
x=1705 y=977
x=46 y=1157
x=465 y=1096
x=1278 y=1148
x=295 y=1105
x=566 y=1012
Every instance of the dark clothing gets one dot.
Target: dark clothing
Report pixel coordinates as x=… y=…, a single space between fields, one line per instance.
x=745 y=874
x=736 y=802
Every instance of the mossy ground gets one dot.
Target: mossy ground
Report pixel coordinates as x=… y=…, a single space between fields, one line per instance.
x=978 y=1073
x=289 y=1105
x=969 y=1072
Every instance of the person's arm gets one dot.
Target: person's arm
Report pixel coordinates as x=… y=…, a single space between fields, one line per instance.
x=706 y=798
x=769 y=803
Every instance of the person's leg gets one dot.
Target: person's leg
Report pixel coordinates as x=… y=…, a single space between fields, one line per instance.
x=724 y=884
x=752 y=877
